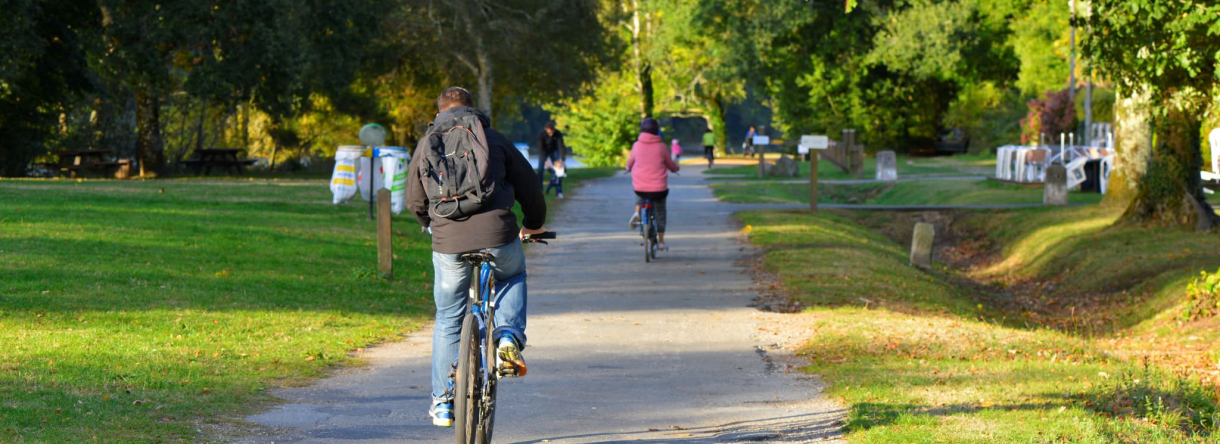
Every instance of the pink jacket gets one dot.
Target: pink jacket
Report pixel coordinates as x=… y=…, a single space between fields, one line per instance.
x=650 y=163
x=675 y=148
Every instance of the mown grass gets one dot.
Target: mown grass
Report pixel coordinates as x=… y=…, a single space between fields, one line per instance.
x=1140 y=271
x=908 y=166
x=930 y=192
x=134 y=311
x=920 y=364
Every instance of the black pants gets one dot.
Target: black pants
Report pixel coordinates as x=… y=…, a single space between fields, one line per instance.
x=556 y=182
x=658 y=204
x=709 y=152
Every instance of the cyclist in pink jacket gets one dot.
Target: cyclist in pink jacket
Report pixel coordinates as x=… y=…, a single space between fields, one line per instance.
x=650 y=164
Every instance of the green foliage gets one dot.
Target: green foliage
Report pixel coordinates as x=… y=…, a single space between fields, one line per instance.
x=1150 y=395
x=603 y=124
x=1040 y=41
x=1202 y=297
x=42 y=70
x=1166 y=46
x=930 y=40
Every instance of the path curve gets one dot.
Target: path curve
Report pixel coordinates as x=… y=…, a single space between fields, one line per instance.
x=619 y=350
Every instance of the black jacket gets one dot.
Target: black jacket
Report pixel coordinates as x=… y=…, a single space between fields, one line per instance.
x=551 y=145
x=496 y=225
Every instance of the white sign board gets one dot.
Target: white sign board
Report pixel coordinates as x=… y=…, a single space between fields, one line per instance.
x=1075 y=172
x=762 y=140
x=813 y=143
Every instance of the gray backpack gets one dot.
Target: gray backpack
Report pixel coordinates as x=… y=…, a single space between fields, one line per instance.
x=454 y=167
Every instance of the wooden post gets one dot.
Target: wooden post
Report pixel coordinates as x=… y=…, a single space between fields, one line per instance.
x=762 y=167
x=385 y=250
x=813 y=181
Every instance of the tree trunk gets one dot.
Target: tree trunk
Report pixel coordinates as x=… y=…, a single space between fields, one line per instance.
x=716 y=119
x=485 y=84
x=646 y=90
x=1088 y=113
x=643 y=69
x=148 y=133
x=1171 y=191
x=1132 y=146
x=245 y=127
x=203 y=111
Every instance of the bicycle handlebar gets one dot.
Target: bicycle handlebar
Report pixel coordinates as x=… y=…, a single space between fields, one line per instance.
x=538 y=238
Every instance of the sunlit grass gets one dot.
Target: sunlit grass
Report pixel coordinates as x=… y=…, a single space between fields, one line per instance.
x=907 y=167
x=923 y=363
x=931 y=192
x=133 y=311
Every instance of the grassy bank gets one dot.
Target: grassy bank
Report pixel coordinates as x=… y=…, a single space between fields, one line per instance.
x=908 y=166
x=133 y=311
x=931 y=192
x=915 y=358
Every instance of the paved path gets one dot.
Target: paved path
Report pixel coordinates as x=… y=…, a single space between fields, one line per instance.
x=620 y=350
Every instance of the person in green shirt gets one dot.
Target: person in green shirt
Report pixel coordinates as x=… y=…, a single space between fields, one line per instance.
x=709 y=146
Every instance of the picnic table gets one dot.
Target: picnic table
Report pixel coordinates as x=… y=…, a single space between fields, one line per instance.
x=88 y=162
x=225 y=158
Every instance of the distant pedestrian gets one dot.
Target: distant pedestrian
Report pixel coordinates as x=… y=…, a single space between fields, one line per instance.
x=747 y=146
x=709 y=146
x=675 y=150
x=551 y=150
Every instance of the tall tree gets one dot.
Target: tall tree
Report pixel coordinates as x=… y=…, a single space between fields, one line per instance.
x=42 y=73
x=1164 y=57
x=511 y=48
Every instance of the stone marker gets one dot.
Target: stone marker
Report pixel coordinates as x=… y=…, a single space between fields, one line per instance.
x=784 y=167
x=887 y=166
x=921 y=245
x=1055 y=190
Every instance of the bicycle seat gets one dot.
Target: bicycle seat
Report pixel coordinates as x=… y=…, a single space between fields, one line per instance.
x=477 y=258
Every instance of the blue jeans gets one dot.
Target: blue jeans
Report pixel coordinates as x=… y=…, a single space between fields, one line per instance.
x=451 y=291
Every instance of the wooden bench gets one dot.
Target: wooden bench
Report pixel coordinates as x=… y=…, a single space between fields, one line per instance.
x=225 y=158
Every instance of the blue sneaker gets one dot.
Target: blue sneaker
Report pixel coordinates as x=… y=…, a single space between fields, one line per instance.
x=442 y=414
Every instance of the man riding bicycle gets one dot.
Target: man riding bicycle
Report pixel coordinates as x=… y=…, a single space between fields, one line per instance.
x=649 y=165
x=461 y=225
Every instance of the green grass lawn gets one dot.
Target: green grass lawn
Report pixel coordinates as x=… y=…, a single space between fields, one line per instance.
x=932 y=192
x=914 y=358
x=133 y=311
x=963 y=165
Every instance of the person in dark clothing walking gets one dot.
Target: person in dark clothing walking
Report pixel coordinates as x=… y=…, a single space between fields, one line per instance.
x=551 y=147
x=493 y=229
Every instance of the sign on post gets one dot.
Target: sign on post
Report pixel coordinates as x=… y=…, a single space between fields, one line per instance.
x=1075 y=172
x=813 y=143
x=762 y=140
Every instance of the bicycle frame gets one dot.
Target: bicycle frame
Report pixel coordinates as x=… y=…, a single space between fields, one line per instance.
x=483 y=306
x=648 y=228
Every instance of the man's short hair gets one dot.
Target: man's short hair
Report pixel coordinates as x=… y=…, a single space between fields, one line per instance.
x=550 y=124
x=453 y=96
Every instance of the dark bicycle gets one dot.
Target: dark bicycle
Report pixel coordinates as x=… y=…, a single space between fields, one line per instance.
x=648 y=229
x=475 y=373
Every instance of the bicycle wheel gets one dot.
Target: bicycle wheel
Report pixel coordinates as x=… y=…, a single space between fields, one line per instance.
x=647 y=241
x=487 y=404
x=466 y=396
